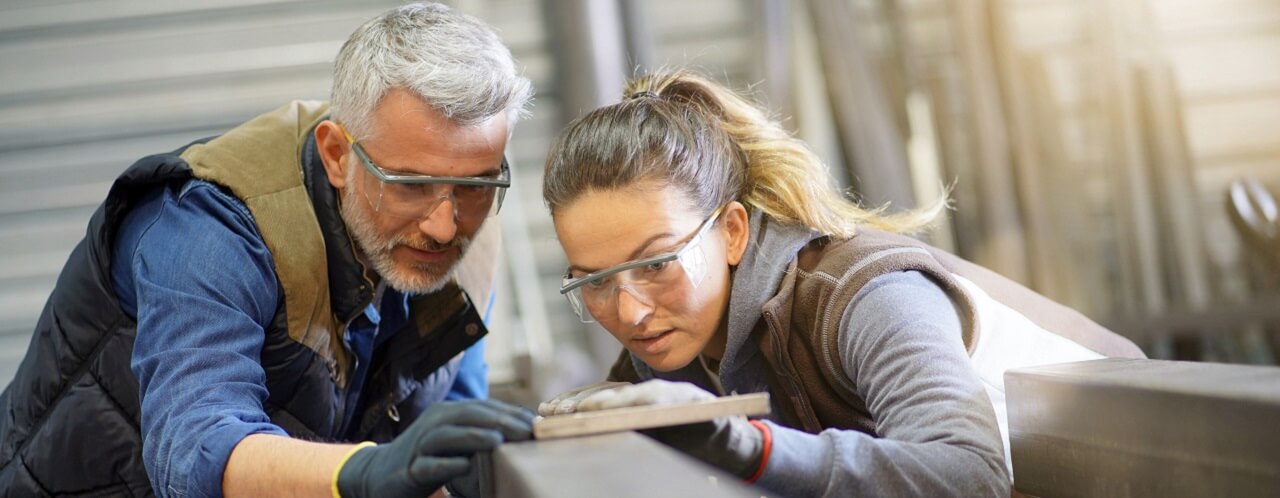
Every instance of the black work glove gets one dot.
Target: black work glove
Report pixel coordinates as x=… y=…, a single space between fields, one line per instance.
x=466 y=485
x=732 y=444
x=435 y=449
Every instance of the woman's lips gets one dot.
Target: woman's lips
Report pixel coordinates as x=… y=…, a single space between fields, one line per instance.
x=654 y=343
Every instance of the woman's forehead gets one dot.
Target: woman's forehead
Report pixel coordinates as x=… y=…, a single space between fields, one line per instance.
x=602 y=228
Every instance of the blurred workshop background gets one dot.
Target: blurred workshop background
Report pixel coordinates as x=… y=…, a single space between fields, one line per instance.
x=1119 y=156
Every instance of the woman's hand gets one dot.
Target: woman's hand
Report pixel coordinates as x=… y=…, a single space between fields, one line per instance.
x=652 y=392
x=732 y=444
x=568 y=401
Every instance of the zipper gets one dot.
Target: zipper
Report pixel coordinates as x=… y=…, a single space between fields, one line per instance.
x=340 y=420
x=392 y=411
x=352 y=365
x=796 y=392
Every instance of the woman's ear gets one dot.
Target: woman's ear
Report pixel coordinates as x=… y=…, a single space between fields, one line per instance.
x=737 y=230
x=332 y=145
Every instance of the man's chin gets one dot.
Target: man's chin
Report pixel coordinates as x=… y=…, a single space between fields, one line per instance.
x=420 y=279
x=411 y=275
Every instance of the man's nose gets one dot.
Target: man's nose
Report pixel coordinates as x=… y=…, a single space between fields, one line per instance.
x=441 y=221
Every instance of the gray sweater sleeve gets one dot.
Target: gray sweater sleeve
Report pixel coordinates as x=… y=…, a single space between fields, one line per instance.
x=901 y=349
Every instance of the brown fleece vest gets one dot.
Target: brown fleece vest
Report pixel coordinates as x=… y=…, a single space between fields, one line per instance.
x=258 y=161
x=800 y=326
x=802 y=322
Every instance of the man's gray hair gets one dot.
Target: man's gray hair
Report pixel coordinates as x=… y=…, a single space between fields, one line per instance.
x=453 y=61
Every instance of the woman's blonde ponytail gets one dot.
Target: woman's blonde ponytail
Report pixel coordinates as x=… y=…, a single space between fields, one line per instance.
x=716 y=145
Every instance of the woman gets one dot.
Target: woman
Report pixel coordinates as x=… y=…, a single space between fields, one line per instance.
x=714 y=247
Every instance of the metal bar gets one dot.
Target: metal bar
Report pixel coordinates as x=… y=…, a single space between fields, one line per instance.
x=774 y=67
x=814 y=120
x=1138 y=428
x=1030 y=164
x=1061 y=264
x=589 y=36
x=1172 y=173
x=868 y=130
x=1001 y=246
x=638 y=31
x=617 y=465
x=1224 y=318
x=1136 y=227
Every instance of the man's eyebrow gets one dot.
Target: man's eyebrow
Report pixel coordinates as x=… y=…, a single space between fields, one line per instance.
x=397 y=169
x=634 y=254
x=494 y=171
x=489 y=173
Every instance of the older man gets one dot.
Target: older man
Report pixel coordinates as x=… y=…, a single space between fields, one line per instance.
x=245 y=308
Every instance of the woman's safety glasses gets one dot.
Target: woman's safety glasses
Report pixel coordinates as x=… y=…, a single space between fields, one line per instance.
x=596 y=294
x=413 y=196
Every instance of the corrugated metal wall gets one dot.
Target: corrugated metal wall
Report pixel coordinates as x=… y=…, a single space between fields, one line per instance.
x=87 y=87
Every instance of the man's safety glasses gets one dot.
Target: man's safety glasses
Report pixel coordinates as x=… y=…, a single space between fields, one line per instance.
x=596 y=294
x=413 y=196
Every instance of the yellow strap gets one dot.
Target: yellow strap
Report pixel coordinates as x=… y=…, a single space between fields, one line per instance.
x=336 y=470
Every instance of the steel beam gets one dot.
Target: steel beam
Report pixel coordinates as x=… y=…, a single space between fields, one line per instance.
x=1138 y=428
x=617 y=465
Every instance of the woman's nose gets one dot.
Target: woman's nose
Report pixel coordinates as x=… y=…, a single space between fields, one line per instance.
x=632 y=307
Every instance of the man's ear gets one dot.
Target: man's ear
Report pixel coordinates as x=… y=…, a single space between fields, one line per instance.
x=332 y=145
x=737 y=230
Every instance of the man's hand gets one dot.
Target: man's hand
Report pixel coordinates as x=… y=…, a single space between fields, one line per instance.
x=435 y=449
x=732 y=444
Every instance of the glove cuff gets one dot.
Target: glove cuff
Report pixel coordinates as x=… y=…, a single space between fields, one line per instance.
x=343 y=463
x=737 y=446
x=767 y=436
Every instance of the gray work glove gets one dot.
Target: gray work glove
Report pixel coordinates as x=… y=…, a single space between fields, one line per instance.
x=731 y=444
x=435 y=449
x=567 y=402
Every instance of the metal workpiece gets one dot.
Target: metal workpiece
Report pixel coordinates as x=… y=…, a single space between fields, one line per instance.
x=615 y=465
x=1138 y=428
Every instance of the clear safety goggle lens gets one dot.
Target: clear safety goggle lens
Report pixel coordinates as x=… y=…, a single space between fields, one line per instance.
x=419 y=200
x=596 y=294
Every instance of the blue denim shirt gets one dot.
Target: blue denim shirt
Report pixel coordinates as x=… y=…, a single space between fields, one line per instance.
x=190 y=266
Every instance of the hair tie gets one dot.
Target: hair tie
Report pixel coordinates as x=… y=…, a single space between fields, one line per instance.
x=642 y=94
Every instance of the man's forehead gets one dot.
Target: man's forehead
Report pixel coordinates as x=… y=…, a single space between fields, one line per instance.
x=417 y=142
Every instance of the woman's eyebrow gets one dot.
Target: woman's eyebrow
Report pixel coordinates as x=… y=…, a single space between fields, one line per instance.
x=635 y=254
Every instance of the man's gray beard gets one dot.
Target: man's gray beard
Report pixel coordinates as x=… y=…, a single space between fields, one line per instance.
x=422 y=278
